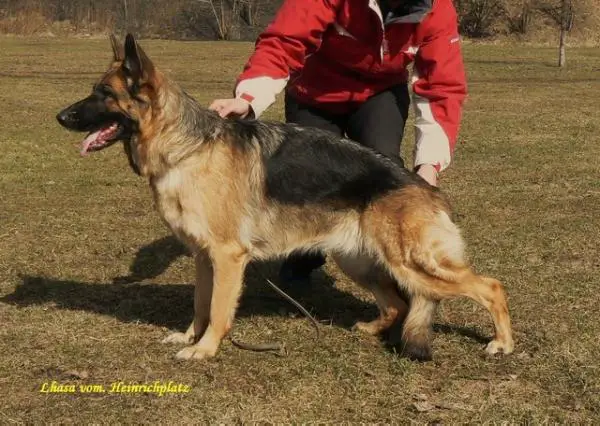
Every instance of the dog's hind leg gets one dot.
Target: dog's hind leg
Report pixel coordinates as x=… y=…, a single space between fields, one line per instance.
x=416 y=330
x=365 y=271
x=424 y=251
x=228 y=263
x=439 y=258
x=486 y=291
x=202 y=295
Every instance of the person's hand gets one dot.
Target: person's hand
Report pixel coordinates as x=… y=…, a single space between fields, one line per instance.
x=234 y=106
x=429 y=173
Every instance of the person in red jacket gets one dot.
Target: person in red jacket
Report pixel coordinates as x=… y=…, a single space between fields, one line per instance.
x=344 y=67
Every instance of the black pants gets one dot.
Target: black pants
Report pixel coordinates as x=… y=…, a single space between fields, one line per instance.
x=377 y=123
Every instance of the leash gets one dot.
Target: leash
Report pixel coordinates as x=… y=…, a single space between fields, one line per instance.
x=276 y=346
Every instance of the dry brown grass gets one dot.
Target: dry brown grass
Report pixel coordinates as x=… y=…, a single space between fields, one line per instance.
x=525 y=187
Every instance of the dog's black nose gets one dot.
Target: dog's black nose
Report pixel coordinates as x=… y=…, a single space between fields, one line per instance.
x=65 y=118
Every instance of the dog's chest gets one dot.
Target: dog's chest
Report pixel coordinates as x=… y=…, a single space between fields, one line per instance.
x=180 y=207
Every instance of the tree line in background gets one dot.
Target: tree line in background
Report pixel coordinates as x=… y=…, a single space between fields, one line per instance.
x=180 y=19
x=520 y=18
x=244 y=19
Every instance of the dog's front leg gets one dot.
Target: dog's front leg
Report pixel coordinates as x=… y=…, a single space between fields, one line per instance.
x=228 y=264
x=202 y=296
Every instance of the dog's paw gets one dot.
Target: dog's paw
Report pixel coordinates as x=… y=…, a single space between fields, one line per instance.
x=178 y=338
x=194 y=352
x=417 y=352
x=372 y=328
x=497 y=346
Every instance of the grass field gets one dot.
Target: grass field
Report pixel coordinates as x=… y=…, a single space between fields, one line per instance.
x=91 y=281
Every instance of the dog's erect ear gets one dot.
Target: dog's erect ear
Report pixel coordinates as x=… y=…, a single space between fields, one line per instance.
x=116 y=48
x=136 y=64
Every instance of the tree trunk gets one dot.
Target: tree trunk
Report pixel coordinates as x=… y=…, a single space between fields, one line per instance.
x=566 y=22
x=126 y=13
x=89 y=19
x=562 y=54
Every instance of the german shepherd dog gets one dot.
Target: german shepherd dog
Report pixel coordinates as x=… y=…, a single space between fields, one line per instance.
x=240 y=190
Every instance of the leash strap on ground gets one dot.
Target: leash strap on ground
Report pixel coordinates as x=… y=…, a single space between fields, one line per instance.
x=275 y=346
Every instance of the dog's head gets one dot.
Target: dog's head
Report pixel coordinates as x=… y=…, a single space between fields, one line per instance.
x=121 y=103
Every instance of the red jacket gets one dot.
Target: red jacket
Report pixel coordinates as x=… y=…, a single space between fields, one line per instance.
x=337 y=53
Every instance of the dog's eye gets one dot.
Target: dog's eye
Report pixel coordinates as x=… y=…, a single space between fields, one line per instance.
x=109 y=93
x=105 y=91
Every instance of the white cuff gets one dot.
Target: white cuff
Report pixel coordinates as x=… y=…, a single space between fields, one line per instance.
x=432 y=145
x=260 y=92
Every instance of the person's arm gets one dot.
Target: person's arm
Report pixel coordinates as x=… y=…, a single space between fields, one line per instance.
x=280 y=50
x=439 y=87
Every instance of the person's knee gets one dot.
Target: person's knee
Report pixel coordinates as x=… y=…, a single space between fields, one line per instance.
x=386 y=143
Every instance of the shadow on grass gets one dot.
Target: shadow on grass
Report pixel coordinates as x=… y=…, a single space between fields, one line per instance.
x=171 y=305
x=152 y=260
x=468 y=332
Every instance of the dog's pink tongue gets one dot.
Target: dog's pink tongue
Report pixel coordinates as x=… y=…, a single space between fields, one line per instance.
x=88 y=141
